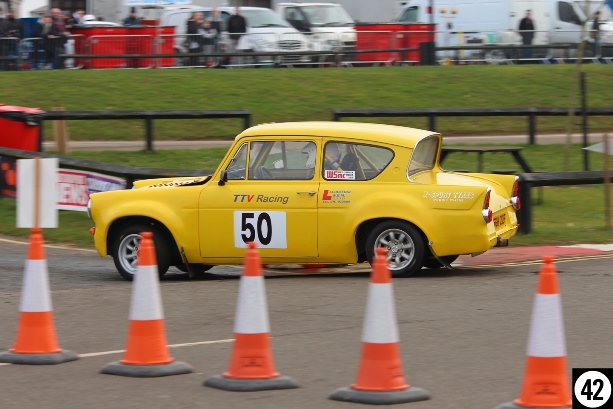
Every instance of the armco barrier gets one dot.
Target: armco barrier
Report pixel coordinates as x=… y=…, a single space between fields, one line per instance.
x=433 y=113
x=129 y=173
x=148 y=116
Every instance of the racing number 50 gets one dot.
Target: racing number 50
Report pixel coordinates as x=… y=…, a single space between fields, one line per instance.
x=266 y=228
x=262 y=229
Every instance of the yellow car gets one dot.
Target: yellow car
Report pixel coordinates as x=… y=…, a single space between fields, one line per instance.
x=313 y=193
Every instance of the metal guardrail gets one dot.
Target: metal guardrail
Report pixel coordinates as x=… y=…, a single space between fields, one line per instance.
x=129 y=173
x=148 y=116
x=433 y=113
x=529 y=180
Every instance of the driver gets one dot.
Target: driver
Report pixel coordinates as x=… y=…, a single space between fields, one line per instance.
x=333 y=156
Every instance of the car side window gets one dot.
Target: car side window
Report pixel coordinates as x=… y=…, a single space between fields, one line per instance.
x=238 y=165
x=282 y=160
x=351 y=161
x=424 y=155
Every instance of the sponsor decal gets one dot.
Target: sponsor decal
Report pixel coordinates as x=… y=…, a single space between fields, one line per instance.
x=336 y=196
x=240 y=198
x=439 y=196
x=340 y=174
x=75 y=186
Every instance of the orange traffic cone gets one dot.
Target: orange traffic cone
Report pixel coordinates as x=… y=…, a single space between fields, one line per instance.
x=380 y=380
x=36 y=342
x=545 y=382
x=251 y=365
x=146 y=351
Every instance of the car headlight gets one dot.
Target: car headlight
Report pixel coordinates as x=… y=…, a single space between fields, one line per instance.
x=89 y=208
x=265 y=44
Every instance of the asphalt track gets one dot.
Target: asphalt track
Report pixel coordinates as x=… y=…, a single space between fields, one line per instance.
x=463 y=331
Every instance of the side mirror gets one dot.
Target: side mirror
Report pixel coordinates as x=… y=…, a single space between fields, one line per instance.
x=223 y=178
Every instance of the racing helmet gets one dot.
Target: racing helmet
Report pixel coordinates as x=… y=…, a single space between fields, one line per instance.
x=333 y=154
x=310 y=150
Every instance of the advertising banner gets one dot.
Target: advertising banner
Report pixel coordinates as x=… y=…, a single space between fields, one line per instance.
x=75 y=186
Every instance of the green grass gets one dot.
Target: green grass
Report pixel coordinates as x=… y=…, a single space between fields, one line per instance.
x=568 y=215
x=305 y=94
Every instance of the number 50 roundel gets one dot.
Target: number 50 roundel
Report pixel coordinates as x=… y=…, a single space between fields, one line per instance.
x=267 y=229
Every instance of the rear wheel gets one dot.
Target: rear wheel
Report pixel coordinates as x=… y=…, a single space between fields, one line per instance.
x=403 y=243
x=125 y=250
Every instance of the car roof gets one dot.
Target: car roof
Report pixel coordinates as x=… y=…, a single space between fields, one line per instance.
x=367 y=132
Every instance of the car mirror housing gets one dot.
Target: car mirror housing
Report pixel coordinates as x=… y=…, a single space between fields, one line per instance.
x=223 y=178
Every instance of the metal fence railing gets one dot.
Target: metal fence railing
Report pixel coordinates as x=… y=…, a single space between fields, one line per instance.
x=355 y=48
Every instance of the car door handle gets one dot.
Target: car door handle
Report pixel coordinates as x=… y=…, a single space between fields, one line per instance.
x=311 y=193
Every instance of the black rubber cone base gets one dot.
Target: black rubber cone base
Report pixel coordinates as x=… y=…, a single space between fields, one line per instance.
x=511 y=405
x=411 y=394
x=38 y=359
x=147 y=371
x=248 y=385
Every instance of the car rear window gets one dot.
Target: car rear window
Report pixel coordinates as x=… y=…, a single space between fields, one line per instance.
x=424 y=155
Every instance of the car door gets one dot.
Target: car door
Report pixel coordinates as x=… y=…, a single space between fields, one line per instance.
x=270 y=198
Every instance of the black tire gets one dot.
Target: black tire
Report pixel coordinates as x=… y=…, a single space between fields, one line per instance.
x=432 y=262
x=396 y=235
x=125 y=247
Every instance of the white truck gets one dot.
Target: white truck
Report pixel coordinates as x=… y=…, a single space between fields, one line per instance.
x=460 y=22
x=327 y=25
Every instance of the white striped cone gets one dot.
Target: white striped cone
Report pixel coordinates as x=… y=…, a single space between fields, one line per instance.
x=380 y=378
x=146 y=350
x=251 y=364
x=36 y=341
x=545 y=382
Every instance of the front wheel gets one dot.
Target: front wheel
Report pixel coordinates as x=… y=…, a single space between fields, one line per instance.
x=125 y=250
x=403 y=243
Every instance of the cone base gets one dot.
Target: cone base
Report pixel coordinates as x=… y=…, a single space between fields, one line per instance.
x=38 y=359
x=247 y=385
x=147 y=371
x=411 y=394
x=511 y=405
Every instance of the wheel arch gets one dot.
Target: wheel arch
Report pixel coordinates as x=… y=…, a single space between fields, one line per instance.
x=120 y=223
x=367 y=225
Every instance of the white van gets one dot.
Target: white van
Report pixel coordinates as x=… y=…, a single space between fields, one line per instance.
x=327 y=25
x=266 y=32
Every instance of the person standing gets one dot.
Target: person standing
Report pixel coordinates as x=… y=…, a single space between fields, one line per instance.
x=237 y=26
x=209 y=36
x=595 y=33
x=46 y=33
x=194 y=37
x=526 y=31
x=60 y=36
x=132 y=19
x=11 y=31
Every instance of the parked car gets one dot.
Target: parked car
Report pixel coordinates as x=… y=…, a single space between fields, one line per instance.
x=266 y=32
x=313 y=192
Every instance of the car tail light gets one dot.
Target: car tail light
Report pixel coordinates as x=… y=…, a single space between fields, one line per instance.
x=515 y=195
x=486 y=212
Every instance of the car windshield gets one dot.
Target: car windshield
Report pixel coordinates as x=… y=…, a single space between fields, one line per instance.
x=424 y=155
x=263 y=18
x=328 y=16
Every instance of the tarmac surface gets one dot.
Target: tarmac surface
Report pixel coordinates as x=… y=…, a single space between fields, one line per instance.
x=463 y=332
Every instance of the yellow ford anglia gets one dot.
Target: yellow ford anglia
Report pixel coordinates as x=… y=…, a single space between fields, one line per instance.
x=313 y=193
